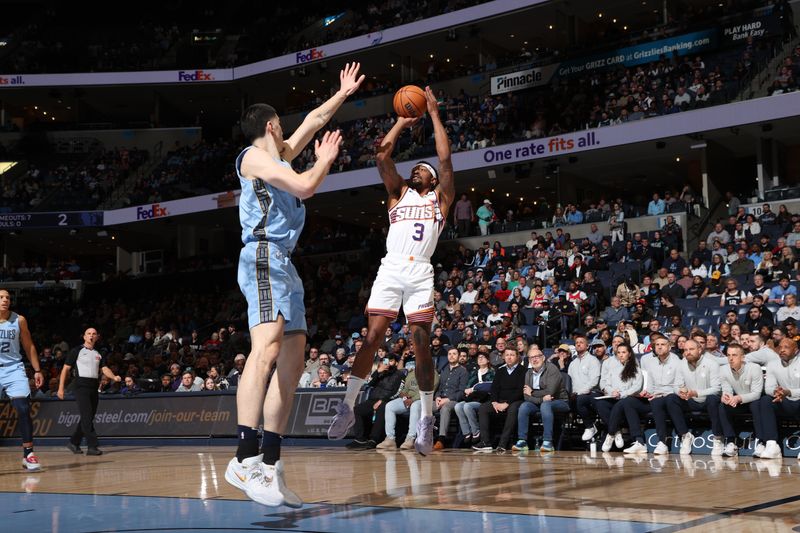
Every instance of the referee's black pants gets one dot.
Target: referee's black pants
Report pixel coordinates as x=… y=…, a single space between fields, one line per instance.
x=86 y=395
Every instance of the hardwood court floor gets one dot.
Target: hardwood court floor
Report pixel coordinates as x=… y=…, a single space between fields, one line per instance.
x=182 y=488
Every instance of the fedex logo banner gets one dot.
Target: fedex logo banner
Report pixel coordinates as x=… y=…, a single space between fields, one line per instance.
x=153 y=211
x=197 y=75
x=307 y=56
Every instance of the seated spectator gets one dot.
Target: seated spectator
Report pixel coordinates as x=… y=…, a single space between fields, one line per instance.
x=742 y=386
x=793 y=238
x=674 y=263
x=742 y=265
x=210 y=385
x=780 y=396
x=702 y=253
x=734 y=296
x=544 y=392
x=789 y=311
x=370 y=414
x=685 y=280
x=188 y=383
x=719 y=234
x=615 y=313
x=130 y=388
x=672 y=288
x=628 y=293
x=756 y=320
x=324 y=379
x=467 y=409
x=698 y=288
x=450 y=391
x=238 y=366
x=668 y=308
x=656 y=206
x=408 y=402
x=623 y=380
x=166 y=383
x=506 y=397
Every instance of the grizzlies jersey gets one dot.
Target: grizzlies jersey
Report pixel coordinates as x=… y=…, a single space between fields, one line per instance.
x=415 y=224
x=267 y=213
x=9 y=340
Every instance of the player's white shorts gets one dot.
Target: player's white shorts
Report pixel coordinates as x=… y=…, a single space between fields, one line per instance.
x=406 y=281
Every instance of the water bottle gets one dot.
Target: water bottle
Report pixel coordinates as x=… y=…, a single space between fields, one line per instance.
x=593 y=447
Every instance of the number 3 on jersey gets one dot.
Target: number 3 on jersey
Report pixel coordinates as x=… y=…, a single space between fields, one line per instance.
x=419 y=234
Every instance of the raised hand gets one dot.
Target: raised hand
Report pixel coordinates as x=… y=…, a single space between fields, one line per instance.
x=349 y=79
x=328 y=147
x=430 y=99
x=408 y=122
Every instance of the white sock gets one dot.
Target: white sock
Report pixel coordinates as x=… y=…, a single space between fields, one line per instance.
x=354 y=385
x=427 y=402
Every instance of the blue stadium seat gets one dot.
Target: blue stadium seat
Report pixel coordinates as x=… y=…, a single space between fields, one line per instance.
x=706 y=322
x=530 y=315
x=686 y=304
x=710 y=301
x=691 y=313
x=717 y=311
x=531 y=332
x=503 y=306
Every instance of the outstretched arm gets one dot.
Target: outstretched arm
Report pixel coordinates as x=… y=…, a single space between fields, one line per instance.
x=257 y=164
x=316 y=120
x=386 y=168
x=447 y=187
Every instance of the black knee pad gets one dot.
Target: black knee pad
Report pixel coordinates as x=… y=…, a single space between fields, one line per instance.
x=23 y=408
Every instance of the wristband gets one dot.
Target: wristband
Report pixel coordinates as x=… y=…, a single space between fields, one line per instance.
x=37 y=371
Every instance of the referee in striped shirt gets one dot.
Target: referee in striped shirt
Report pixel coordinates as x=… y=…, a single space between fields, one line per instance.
x=88 y=363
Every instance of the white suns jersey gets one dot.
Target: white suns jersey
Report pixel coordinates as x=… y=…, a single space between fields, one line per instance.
x=415 y=224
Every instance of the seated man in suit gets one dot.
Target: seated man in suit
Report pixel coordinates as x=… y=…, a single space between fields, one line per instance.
x=505 y=398
x=544 y=393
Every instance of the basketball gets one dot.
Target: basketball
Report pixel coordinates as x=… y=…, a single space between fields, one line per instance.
x=410 y=102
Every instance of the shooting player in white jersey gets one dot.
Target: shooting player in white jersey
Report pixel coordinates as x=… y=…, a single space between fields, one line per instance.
x=417 y=213
x=13 y=332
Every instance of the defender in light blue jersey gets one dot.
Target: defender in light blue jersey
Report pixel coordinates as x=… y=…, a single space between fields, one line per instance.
x=13 y=380
x=272 y=215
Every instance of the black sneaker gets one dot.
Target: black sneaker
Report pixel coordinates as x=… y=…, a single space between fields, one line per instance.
x=356 y=445
x=93 y=451
x=370 y=445
x=482 y=447
x=74 y=448
x=468 y=440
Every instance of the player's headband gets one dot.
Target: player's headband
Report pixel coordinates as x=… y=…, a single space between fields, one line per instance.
x=428 y=167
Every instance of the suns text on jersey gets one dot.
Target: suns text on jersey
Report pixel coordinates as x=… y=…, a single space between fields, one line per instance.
x=412 y=212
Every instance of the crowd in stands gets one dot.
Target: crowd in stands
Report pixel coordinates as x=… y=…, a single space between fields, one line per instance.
x=553 y=295
x=39 y=272
x=55 y=39
x=190 y=170
x=596 y=99
x=487 y=219
x=786 y=77
x=69 y=182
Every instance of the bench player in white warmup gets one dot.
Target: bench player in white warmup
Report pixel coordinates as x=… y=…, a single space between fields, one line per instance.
x=417 y=214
